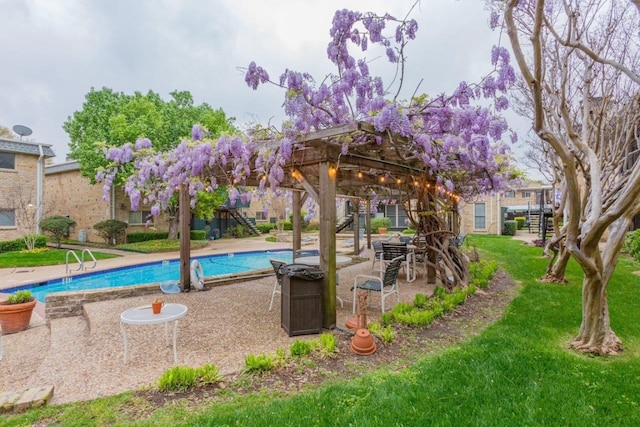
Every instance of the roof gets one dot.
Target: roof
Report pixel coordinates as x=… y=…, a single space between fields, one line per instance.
x=25 y=147
x=62 y=167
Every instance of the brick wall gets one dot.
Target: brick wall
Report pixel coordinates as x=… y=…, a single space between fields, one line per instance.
x=68 y=193
x=20 y=183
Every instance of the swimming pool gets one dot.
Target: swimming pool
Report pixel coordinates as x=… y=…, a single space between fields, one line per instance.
x=156 y=272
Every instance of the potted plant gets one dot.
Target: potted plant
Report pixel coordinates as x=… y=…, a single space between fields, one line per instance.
x=15 y=312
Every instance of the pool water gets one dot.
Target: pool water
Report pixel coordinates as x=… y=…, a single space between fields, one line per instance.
x=156 y=272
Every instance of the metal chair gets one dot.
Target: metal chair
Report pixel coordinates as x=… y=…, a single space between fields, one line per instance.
x=377 y=255
x=387 y=284
x=277 y=286
x=391 y=251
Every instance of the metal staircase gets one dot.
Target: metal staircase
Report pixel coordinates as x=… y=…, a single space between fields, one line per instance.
x=344 y=223
x=242 y=219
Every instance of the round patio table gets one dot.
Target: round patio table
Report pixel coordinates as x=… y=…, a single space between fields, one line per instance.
x=143 y=315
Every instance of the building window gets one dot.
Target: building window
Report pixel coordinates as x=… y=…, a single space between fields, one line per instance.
x=510 y=194
x=139 y=217
x=7 y=161
x=7 y=218
x=260 y=216
x=480 y=222
x=526 y=194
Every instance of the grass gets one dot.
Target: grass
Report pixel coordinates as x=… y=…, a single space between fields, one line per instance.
x=50 y=257
x=519 y=371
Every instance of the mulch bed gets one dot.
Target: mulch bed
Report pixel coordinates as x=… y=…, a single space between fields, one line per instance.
x=469 y=319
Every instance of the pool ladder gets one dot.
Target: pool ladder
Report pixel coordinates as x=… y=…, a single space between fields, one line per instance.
x=80 y=260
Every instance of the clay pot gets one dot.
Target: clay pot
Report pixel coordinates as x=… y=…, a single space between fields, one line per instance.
x=156 y=306
x=352 y=322
x=363 y=343
x=15 y=317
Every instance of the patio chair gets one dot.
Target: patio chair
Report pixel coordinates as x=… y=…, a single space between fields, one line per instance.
x=377 y=255
x=387 y=284
x=390 y=251
x=277 y=286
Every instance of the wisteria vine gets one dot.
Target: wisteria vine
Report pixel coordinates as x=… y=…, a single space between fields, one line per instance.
x=460 y=143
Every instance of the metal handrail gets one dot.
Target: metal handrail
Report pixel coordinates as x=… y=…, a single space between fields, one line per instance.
x=76 y=257
x=92 y=257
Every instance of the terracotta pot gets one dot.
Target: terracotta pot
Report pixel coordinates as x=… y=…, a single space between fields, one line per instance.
x=156 y=306
x=363 y=343
x=382 y=230
x=15 y=317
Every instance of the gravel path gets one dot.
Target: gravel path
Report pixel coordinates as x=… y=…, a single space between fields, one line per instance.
x=82 y=356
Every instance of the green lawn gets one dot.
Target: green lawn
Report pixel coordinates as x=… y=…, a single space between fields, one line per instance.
x=50 y=257
x=518 y=372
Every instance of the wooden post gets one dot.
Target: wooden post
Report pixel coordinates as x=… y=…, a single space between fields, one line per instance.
x=356 y=227
x=328 y=172
x=367 y=221
x=296 y=222
x=185 y=241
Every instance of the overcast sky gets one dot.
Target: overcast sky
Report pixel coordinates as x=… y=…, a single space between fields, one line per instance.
x=54 y=51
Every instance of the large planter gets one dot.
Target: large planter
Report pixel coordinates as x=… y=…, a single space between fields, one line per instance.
x=15 y=317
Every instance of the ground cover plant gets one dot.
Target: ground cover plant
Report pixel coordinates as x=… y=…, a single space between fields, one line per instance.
x=518 y=371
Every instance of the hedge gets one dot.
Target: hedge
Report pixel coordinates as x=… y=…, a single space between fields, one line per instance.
x=510 y=227
x=18 y=244
x=162 y=235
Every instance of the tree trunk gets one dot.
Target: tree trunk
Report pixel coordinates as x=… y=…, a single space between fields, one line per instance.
x=595 y=335
x=173 y=227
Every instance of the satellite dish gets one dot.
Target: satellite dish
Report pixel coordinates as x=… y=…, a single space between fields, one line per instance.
x=22 y=130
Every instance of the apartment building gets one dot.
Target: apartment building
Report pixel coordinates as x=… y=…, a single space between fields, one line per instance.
x=22 y=206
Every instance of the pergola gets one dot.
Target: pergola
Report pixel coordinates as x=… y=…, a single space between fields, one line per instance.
x=319 y=168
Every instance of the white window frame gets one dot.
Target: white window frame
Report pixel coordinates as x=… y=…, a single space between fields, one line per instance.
x=477 y=218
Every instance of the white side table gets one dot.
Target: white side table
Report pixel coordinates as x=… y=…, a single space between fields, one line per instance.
x=143 y=315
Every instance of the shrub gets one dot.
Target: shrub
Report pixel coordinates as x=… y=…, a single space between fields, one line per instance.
x=420 y=300
x=328 y=344
x=387 y=335
x=520 y=222
x=178 y=378
x=509 y=228
x=300 y=348
x=207 y=374
x=379 y=222
x=57 y=226
x=632 y=244
x=110 y=229
x=145 y=237
x=19 y=245
x=482 y=272
x=258 y=364
x=198 y=235
x=265 y=227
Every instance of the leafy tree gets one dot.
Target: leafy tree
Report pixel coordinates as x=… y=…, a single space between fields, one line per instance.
x=57 y=226
x=110 y=118
x=113 y=119
x=580 y=62
x=5 y=132
x=110 y=230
